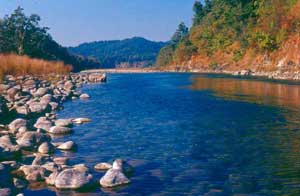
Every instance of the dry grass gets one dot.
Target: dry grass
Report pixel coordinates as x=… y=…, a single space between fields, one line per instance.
x=11 y=64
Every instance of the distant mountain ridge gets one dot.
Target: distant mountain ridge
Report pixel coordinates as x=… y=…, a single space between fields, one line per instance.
x=133 y=52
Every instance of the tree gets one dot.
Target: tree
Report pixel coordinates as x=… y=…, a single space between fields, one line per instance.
x=181 y=32
x=199 y=12
x=21 y=34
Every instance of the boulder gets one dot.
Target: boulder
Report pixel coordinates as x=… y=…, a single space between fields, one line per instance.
x=50 y=180
x=70 y=145
x=28 y=85
x=12 y=92
x=31 y=139
x=5 y=192
x=46 y=148
x=39 y=107
x=6 y=143
x=63 y=122
x=60 y=160
x=51 y=166
x=84 y=96
x=81 y=120
x=60 y=130
x=34 y=172
x=16 y=124
x=73 y=179
x=103 y=166
x=41 y=92
x=23 y=110
x=114 y=176
x=54 y=105
x=43 y=123
x=40 y=159
x=46 y=99
x=69 y=85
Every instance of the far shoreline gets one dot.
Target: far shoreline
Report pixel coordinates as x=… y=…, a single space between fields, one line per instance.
x=239 y=74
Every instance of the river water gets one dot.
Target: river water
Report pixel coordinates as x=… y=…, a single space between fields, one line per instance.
x=190 y=134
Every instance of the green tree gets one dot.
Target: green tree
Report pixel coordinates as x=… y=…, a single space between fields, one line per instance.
x=199 y=12
x=181 y=32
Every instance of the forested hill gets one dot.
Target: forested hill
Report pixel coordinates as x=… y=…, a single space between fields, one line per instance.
x=23 y=35
x=237 y=34
x=134 y=52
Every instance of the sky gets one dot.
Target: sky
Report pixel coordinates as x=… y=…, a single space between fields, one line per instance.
x=72 y=22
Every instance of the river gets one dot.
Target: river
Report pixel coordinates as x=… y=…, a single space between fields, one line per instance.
x=190 y=134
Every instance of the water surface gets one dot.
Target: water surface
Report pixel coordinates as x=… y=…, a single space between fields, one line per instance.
x=188 y=134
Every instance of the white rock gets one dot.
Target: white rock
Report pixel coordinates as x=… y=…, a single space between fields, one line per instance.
x=70 y=145
x=72 y=179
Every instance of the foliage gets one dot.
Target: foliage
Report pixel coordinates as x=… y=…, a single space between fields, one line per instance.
x=165 y=56
x=218 y=25
x=181 y=32
x=23 y=35
x=21 y=65
x=112 y=53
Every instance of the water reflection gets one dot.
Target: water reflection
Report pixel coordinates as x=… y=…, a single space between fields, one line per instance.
x=261 y=92
x=253 y=147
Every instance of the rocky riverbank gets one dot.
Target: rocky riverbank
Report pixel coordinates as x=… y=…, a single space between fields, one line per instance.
x=28 y=122
x=276 y=75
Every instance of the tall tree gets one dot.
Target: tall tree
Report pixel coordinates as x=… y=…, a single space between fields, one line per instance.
x=199 y=12
x=181 y=32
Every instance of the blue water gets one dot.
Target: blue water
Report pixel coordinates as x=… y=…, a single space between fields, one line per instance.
x=188 y=134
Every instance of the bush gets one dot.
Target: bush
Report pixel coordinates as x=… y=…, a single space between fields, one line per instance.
x=11 y=64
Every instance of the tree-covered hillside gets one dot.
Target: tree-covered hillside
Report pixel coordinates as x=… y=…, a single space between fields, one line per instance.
x=134 y=52
x=236 y=34
x=23 y=35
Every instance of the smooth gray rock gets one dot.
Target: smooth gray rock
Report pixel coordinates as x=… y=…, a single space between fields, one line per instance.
x=63 y=122
x=43 y=123
x=72 y=179
x=12 y=92
x=33 y=172
x=84 y=96
x=24 y=109
x=103 y=166
x=114 y=176
x=39 y=107
x=61 y=160
x=40 y=92
x=16 y=124
x=40 y=159
x=31 y=139
x=6 y=143
x=54 y=105
x=46 y=99
x=81 y=120
x=50 y=180
x=5 y=192
x=46 y=148
x=60 y=130
x=69 y=145
x=69 y=85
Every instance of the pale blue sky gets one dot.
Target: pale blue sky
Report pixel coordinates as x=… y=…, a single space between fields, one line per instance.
x=75 y=21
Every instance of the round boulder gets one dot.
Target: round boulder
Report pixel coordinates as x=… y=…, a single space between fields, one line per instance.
x=72 y=179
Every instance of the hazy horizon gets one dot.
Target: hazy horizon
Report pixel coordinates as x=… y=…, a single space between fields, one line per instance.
x=74 y=22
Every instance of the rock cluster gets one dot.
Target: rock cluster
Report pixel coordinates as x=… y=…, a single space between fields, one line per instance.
x=28 y=121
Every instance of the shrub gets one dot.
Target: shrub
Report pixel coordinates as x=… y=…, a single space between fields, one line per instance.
x=11 y=64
